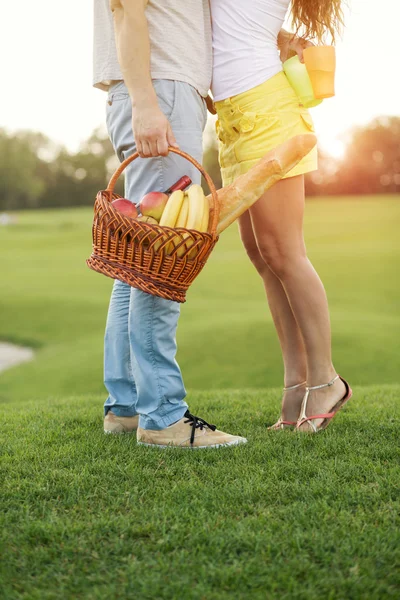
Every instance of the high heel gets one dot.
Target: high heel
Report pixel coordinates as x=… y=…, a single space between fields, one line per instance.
x=327 y=417
x=281 y=423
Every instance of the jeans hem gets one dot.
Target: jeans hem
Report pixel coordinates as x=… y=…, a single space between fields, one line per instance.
x=119 y=411
x=156 y=423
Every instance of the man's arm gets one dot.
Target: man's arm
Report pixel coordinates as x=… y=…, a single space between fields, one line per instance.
x=151 y=129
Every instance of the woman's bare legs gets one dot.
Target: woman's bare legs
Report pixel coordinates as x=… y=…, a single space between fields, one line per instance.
x=277 y=222
x=293 y=352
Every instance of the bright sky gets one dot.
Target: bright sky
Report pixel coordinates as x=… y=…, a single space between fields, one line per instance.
x=47 y=70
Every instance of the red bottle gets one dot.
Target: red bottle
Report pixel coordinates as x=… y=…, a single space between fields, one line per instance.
x=181 y=184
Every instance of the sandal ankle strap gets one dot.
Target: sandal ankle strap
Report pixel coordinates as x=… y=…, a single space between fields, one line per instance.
x=303 y=417
x=294 y=387
x=323 y=385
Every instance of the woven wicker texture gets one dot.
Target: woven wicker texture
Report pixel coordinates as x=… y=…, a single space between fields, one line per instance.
x=158 y=260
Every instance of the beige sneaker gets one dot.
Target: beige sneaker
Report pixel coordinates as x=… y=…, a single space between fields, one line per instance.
x=114 y=424
x=189 y=432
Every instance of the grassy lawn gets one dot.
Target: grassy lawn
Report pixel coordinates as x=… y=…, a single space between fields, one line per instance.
x=50 y=300
x=89 y=516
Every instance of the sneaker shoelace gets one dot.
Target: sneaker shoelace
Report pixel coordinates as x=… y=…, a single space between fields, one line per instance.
x=196 y=423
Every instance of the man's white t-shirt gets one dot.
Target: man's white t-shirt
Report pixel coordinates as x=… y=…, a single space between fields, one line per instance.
x=180 y=42
x=245 y=49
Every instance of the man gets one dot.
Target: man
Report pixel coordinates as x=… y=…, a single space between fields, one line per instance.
x=154 y=59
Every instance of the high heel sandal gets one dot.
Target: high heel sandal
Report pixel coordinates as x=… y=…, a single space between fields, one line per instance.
x=327 y=417
x=281 y=423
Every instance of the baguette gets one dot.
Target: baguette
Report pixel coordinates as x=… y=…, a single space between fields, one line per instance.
x=238 y=197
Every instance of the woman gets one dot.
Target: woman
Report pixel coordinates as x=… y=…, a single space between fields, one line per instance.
x=257 y=110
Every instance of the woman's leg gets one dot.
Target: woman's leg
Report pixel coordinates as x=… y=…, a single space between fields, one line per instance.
x=277 y=220
x=293 y=352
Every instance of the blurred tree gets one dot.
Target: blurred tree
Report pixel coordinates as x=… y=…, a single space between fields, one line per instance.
x=21 y=181
x=372 y=161
x=371 y=164
x=35 y=172
x=78 y=177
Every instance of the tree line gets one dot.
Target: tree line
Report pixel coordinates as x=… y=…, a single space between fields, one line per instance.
x=35 y=173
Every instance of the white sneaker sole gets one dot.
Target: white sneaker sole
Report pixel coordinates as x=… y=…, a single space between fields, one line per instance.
x=163 y=447
x=119 y=432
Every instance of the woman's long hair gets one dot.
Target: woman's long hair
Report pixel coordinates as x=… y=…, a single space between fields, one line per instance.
x=316 y=18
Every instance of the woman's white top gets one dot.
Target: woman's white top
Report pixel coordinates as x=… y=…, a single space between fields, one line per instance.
x=245 y=48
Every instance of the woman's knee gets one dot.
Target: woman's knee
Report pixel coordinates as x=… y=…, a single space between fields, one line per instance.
x=280 y=258
x=249 y=242
x=255 y=257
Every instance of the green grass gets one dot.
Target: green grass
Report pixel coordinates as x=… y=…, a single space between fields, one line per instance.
x=89 y=516
x=50 y=300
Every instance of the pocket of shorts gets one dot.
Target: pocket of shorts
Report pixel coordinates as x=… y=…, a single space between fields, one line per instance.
x=247 y=122
x=307 y=119
x=219 y=131
x=221 y=145
x=227 y=138
x=258 y=133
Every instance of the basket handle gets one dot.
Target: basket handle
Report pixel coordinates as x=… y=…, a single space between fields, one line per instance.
x=214 y=209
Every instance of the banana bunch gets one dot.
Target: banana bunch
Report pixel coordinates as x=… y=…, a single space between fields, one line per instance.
x=189 y=210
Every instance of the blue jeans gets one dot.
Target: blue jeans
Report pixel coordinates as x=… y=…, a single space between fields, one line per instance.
x=140 y=371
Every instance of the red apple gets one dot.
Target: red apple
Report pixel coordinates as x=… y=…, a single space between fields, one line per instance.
x=153 y=204
x=126 y=207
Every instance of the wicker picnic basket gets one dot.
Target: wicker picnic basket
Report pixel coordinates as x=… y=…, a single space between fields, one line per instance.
x=158 y=260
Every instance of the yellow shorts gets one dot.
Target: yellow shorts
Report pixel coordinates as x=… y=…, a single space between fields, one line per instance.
x=253 y=123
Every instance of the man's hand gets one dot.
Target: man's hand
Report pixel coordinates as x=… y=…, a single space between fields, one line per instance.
x=152 y=131
x=290 y=45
